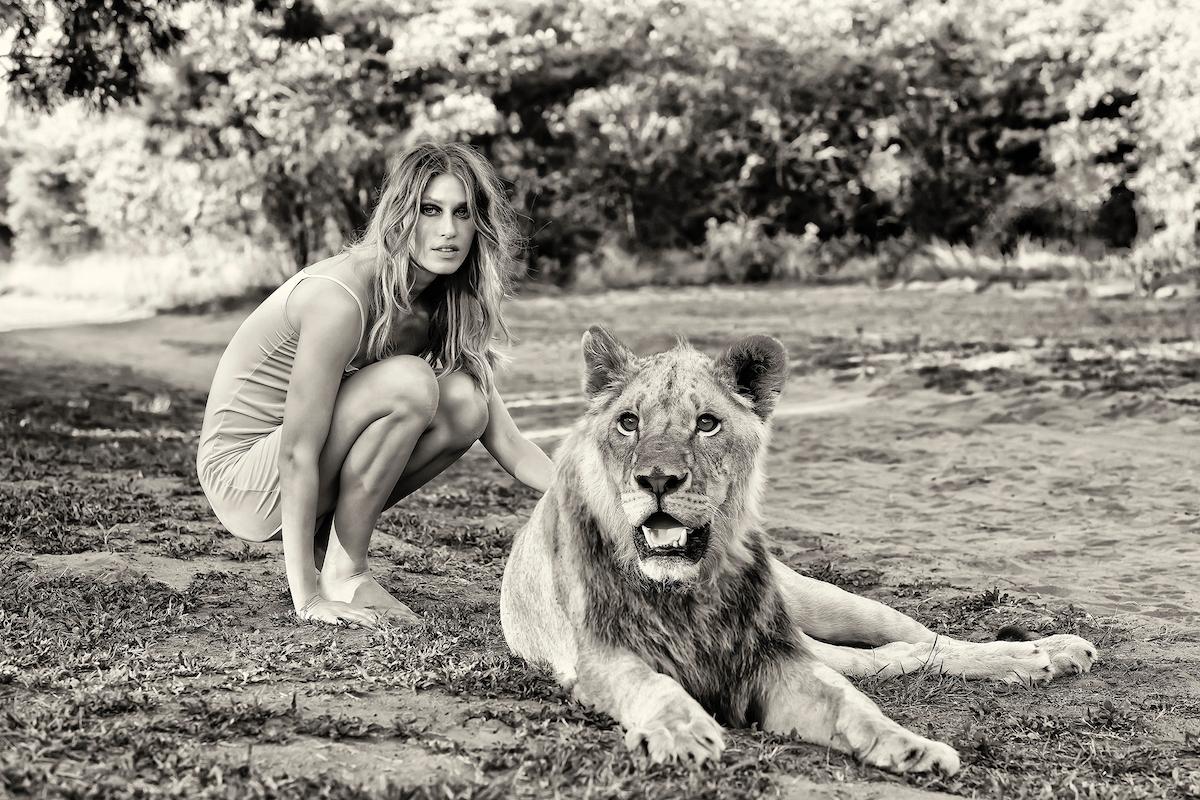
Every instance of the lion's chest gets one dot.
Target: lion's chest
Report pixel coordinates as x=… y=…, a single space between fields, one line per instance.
x=715 y=647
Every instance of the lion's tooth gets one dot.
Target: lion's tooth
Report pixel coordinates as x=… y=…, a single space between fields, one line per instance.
x=657 y=537
x=664 y=537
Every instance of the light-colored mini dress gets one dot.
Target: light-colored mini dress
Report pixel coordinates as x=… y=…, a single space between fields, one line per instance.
x=238 y=457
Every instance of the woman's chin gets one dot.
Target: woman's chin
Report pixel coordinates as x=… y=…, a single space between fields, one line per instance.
x=439 y=266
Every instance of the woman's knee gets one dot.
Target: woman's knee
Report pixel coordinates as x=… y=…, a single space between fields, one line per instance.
x=407 y=388
x=462 y=409
x=397 y=392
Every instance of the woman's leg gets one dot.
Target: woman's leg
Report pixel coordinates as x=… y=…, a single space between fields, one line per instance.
x=380 y=414
x=458 y=419
x=462 y=416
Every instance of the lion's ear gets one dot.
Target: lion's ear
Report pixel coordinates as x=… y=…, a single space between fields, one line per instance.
x=755 y=368
x=605 y=360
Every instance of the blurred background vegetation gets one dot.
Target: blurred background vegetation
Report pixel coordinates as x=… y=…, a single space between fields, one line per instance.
x=172 y=151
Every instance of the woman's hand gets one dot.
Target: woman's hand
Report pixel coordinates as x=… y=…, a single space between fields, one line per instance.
x=333 y=612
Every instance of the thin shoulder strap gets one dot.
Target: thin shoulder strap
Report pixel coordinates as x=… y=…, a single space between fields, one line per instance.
x=362 y=314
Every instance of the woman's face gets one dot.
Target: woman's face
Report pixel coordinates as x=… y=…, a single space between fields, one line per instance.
x=444 y=226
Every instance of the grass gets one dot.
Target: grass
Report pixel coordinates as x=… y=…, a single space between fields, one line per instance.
x=787 y=258
x=197 y=681
x=209 y=275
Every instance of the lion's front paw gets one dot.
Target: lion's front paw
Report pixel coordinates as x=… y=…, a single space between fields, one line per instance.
x=900 y=750
x=1069 y=654
x=680 y=729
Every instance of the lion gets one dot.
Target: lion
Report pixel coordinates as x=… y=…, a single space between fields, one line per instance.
x=644 y=583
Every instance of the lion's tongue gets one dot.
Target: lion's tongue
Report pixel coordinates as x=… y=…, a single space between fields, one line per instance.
x=663 y=530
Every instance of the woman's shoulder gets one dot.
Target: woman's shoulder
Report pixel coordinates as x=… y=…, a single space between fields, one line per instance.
x=336 y=297
x=346 y=268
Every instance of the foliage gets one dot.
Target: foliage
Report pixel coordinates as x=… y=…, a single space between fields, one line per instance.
x=92 y=50
x=1135 y=114
x=9 y=155
x=135 y=222
x=307 y=124
x=829 y=130
x=100 y=52
x=47 y=210
x=740 y=248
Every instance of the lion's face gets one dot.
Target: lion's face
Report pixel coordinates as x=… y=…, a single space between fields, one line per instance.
x=678 y=437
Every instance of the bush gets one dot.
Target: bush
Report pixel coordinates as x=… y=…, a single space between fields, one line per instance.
x=1169 y=257
x=740 y=249
x=799 y=257
x=1133 y=116
x=142 y=199
x=609 y=266
x=47 y=214
x=10 y=154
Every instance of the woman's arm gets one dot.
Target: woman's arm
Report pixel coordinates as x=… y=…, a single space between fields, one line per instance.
x=327 y=324
x=519 y=457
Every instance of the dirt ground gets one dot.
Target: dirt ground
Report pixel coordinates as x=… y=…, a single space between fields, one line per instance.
x=975 y=460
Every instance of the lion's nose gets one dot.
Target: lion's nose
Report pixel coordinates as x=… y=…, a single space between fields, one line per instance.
x=660 y=483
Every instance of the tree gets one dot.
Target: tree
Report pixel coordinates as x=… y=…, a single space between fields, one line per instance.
x=98 y=51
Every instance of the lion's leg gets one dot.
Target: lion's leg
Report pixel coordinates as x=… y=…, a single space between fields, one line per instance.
x=535 y=625
x=834 y=615
x=1012 y=662
x=653 y=708
x=830 y=614
x=809 y=699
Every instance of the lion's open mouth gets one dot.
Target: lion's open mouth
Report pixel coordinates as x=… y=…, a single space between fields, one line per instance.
x=662 y=531
x=663 y=536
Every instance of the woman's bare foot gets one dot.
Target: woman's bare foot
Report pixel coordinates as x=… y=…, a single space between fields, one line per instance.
x=363 y=591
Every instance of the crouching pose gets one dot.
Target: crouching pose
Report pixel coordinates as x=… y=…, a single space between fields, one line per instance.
x=363 y=377
x=643 y=579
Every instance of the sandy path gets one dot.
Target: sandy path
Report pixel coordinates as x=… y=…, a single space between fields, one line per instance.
x=1093 y=511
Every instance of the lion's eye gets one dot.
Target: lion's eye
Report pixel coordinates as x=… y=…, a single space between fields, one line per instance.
x=707 y=424
x=627 y=423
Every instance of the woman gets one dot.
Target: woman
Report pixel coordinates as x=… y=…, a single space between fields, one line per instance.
x=364 y=376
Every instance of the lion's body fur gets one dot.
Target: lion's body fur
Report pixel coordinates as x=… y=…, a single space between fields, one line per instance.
x=662 y=648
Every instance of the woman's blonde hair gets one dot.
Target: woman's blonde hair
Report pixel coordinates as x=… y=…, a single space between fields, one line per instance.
x=465 y=323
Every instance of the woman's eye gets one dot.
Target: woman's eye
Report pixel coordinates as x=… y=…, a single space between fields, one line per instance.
x=707 y=424
x=627 y=423
x=463 y=213
x=429 y=210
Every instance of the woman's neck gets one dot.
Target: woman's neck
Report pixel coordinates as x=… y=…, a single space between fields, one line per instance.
x=421 y=280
